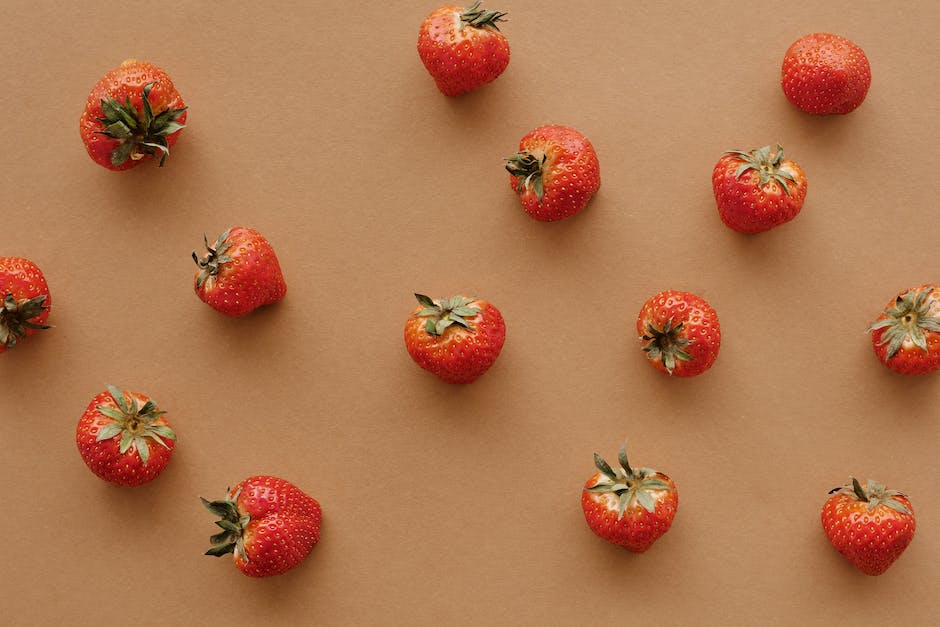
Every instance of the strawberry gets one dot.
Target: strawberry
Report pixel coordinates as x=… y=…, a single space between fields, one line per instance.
x=463 y=48
x=626 y=506
x=870 y=526
x=133 y=113
x=757 y=190
x=906 y=336
x=456 y=338
x=26 y=300
x=824 y=74
x=124 y=438
x=679 y=332
x=240 y=273
x=555 y=173
x=268 y=524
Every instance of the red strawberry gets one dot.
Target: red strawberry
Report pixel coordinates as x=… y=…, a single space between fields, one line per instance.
x=870 y=526
x=555 y=172
x=124 y=438
x=757 y=190
x=463 y=48
x=268 y=524
x=456 y=338
x=679 y=332
x=825 y=74
x=133 y=113
x=240 y=273
x=906 y=335
x=627 y=506
x=26 y=300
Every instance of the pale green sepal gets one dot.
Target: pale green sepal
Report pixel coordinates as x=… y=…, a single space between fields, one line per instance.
x=126 y=439
x=143 y=449
x=646 y=500
x=109 y=431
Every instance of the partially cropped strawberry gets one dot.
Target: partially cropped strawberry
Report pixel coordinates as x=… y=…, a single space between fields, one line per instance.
x=239 y=274
x=555 y=173
x=870 y=526
x=133 y=114
x=462 y=48
x=906 y=336
x=679 y=332
x=456 y=338
x=630 y=507
x=757 y=190
x=26 y=300
x=825 y=74
x=268 y=524
x=124 y=438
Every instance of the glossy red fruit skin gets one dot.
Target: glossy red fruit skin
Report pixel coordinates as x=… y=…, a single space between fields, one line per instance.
x=24 y=280
x=749 y=207
x=910 y=359
x=825 y=74
x=699 y=325
x=638 y=528
x=872 y=541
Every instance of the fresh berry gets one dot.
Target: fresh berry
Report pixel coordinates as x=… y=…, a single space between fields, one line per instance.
x=679 y=332
x=133 y=113
x=268 y=524
x=906 y=335
x=825 y=74
x=627 y=506
x=124 y=438
x=757 y=190
x=239 y=274
x=26 y=300
x=870 y=526
x=555 y=173
x=456 y=338
x=462 y=48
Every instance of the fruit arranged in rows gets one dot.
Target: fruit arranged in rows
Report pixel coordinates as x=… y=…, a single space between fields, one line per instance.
x=825 y=74
x=906 y=336
x=26 y=301
x=679 y=332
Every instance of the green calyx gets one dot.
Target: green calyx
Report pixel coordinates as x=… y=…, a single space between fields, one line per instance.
x=527 y=168
x=767 y=165
x=874 y=494
x=15 y=316
x=629 y=484
x=232 y=522
x=134 y=424
x=908 y=319
x=478 y=18
x=667 y=344
x=446 y=312
x=211 y=263
x=138 y=133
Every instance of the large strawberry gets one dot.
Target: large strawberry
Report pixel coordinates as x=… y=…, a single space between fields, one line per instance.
x=870 y=526
x=555 y=173
x=26 y=300
x=239 y=274
x=679 y=332
x=133 y=113
x=124 y=438
x=825 y=74
x=906 y=336
x=757 y=190
x=630 y=507
x=268 y=524
x=456 y=338
x=462 y=48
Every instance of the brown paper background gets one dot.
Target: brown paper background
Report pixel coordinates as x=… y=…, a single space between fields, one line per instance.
x=316 y=123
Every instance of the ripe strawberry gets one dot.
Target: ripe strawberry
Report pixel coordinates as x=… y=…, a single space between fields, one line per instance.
x=240 y=273
x=133 y=113
x=26 y=300
x=825 y=74
x=870 y=526
x=627 y=506
x=906 y=335
x=456 y=338
x=124 y=438
x=268 y=524
x=757 y=190
x=463 y=48
x=679 y=332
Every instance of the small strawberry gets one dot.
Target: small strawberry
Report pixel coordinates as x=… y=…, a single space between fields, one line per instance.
x=555 y=173
x=757 y=190
x=456 y=338
x=463 y=48
x=133 y=113
x=679 y=332
x=268 y=524
x=629 y=507
x=240 y=273
x=26 y=300
x=824 y=74
x=906 y=336
x=870 y=526
x=124 y=438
